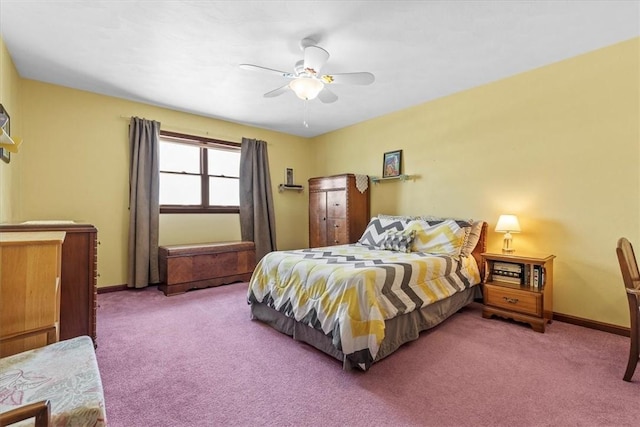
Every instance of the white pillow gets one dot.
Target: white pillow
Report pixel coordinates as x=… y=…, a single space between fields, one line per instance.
x=473 y=237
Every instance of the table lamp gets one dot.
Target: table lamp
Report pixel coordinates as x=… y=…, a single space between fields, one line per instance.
x=508 y=224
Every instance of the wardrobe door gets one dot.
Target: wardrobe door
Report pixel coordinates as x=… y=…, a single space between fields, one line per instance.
x=317 y=219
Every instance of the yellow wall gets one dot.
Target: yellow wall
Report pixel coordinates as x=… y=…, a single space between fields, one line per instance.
x=9 y=98
x=559 y=146
x=76 y=159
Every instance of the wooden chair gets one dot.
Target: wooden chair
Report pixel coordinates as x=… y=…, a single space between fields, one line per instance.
x=40 y=411
x=631 y=278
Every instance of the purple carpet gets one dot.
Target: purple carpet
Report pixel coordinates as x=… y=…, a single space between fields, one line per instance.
x=198 y=360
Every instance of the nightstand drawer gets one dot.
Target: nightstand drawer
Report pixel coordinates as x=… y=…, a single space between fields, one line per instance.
x=513 y=299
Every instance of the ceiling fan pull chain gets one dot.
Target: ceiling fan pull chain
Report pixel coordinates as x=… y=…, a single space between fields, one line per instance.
x=306 y=113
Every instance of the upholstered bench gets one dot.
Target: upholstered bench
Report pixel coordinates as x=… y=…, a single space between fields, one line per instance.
x=185 y=267
x=58 y=384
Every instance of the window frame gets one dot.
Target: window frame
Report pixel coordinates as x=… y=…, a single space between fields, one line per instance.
x=203 y=143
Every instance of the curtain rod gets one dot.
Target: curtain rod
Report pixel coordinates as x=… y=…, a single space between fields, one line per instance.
x=181 y=129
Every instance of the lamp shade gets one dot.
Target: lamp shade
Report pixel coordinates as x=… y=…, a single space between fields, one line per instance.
x=306 y=87
x=508 y=224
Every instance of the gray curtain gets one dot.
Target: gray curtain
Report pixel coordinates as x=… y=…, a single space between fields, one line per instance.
x=144 y=203
x=257 y=221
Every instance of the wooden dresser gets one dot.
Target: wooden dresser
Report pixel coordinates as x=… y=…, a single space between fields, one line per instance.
x=338 y=211
x=78 y=285
x=29 y=288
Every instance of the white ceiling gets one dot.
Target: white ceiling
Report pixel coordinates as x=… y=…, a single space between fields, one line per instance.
x=184 y=55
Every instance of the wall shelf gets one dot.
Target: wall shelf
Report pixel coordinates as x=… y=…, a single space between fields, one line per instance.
x=403 y=177
x=284 y=187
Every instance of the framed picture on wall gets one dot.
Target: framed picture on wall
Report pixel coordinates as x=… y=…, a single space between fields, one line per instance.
x=5 y=122
x=392 y=164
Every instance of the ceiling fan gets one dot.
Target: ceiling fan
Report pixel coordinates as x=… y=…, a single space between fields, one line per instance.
x=306 y=81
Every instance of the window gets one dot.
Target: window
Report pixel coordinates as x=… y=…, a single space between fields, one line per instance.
x=198 y=175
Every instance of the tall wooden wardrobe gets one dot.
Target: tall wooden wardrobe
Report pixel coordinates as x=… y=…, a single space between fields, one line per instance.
x=338 y=210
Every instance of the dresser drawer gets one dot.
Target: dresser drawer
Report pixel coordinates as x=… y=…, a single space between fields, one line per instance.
x=513 y=299
x=337 y=204
x=337 y=232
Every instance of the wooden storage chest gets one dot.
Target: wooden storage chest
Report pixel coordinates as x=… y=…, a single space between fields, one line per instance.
x=185 y=267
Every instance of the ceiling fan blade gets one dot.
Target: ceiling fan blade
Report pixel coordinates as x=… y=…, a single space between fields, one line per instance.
x=348 y=78
x=252 y=67
x=314 y=59
x=326 y=96
x=277 y=92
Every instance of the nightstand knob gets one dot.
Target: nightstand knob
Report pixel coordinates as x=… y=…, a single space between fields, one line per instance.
x=511 y=300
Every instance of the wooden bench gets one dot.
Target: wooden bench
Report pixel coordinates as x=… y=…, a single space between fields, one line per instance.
x=194 y=266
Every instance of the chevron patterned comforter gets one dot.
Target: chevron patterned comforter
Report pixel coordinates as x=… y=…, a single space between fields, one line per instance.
x=349 y=291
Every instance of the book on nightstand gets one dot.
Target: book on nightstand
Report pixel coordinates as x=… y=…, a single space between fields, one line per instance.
x=508 y=272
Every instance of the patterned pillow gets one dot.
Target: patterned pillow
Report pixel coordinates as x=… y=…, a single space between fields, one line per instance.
x=377 y=228
x=466 y=224
x=445 y=237
x=433 y=220
x=398 y=240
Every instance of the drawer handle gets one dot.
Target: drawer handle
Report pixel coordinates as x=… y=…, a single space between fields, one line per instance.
x=337 y=204
x=511 y=300
x=336 y=226
x=335 y=241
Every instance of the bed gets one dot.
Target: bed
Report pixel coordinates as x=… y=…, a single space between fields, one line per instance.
x=360 y=302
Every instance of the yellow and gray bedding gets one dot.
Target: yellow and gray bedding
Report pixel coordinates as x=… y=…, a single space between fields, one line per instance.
x=349 y=291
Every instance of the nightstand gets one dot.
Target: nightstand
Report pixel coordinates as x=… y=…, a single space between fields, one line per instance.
x=519 y=287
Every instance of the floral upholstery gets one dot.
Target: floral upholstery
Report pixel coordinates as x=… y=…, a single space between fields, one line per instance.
x=66 y=373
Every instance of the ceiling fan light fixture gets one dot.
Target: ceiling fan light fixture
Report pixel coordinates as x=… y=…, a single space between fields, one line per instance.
x=306 y=88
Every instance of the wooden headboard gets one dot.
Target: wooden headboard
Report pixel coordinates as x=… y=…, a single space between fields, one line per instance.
x=480 y=248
